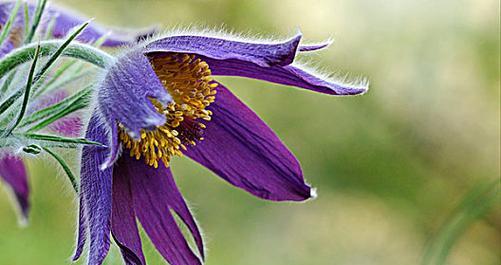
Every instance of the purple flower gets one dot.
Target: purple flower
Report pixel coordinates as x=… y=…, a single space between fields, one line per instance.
x=160 y=100
x=13 y=173
x=12 y=168
x=60 y=21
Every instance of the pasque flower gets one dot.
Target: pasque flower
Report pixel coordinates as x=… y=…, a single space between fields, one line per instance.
x=160 y=100
x=59 y=22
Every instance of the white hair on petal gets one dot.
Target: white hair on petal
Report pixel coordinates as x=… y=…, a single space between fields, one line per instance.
x=219 y=32
x=338 y=77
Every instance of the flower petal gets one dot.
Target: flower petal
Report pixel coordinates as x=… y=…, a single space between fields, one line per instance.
x=314 y=47
x=13 y=172
x=82 y=231
x=239 y=147
x=287 y=75
x=126 y=91
x=123 y=219
x=155 y=195
x=95 y=192
x=261 y=54
x=70 y=126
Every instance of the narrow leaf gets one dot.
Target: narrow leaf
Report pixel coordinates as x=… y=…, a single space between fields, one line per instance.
x=83 y=94
x=77 y=104
x=10 y=100
x=66 y=168
x=27 y=90
x=60 y=139
x=36 y=21
x=59 y=51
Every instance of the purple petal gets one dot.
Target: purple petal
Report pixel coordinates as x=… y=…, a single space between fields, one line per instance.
x=69 y=126
x=123 y=219
x=260 y=54
x=287 y=75
x=154 y=196
x=243 y=150
x=126 y=91
x=6 y=47
x=13 y=172
x=95 y=187
x=115 y=147
x=314 y=47
x=82 y=231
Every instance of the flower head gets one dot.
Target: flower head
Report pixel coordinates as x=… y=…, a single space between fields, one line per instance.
x=161 y=100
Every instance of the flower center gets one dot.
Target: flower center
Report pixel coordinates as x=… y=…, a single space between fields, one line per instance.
x=188 y=80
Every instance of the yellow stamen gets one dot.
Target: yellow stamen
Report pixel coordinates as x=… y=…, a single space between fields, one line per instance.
x=188 y=80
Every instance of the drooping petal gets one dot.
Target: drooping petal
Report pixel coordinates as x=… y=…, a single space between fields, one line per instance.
x=239 y=147
x=95 y=192
x=13 y=172
x=123 y=219
x=261 y=54
x=125 y=94
x=155 y=195
x=287 y=75
x=82 y=231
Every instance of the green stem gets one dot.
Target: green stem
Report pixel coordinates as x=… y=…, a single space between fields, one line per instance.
x=47 y=48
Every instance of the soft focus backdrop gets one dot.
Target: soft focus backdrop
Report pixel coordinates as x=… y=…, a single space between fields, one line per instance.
x=391 y=166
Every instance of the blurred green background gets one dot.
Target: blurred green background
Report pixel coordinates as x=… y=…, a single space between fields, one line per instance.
x=390 y=166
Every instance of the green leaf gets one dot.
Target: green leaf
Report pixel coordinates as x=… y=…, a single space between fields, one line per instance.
x=76 y=104
x=82 y=95
x=59 y=78
x=60 y=139
x=66 y=168
x=36 y=21
x=27 y=91
x=16 y=58
x=59 y=51
x=9 y=101
x=8 y=24
x=76 y=50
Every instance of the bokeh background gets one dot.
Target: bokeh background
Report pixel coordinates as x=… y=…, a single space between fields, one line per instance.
x=391 y=167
